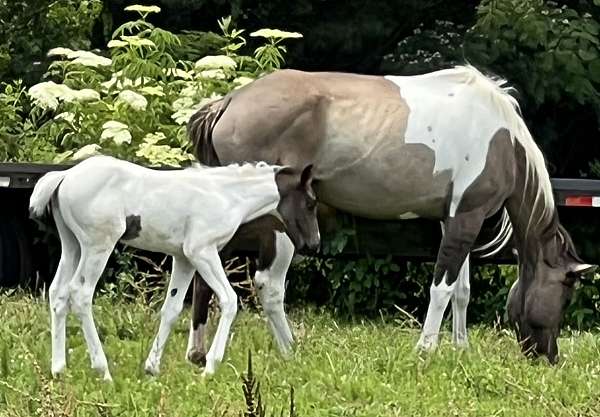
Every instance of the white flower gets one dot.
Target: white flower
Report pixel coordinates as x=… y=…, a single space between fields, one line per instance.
x=178 y=73
x=89 y=59
x=48 y=94
x=216 y=61
x=60 y=51
x=117 y=131
x=142 y=9
x=116 y=43
x=183 y=103
x=86 y=94
x=86 y=151
x=183 y=115
x=154 y=138
x=216 y=74
x=66 y=116
x=242 y=81
x=275 y=33
x=153 y=91
x=133 y=99
x=137 y=41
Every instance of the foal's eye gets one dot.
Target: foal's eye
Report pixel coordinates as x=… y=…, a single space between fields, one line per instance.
x=311 y=204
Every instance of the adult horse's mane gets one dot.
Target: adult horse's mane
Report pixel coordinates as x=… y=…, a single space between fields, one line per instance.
x=537 y=178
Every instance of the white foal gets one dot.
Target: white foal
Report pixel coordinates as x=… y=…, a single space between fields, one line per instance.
x=189 y=214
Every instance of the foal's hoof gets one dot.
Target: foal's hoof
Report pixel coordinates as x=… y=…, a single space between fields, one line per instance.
x=198 y=358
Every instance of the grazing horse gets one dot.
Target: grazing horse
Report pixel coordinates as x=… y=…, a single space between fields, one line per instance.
x=448 y=145
x=189 y=214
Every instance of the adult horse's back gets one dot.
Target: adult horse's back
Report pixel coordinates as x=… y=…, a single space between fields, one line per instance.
x=448 y=145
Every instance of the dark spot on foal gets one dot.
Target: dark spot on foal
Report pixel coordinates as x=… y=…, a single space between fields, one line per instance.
x=466 y=157
x=450 y=94
x=429 y=128
x=82 y=280
x=133 y=227
x=173 y=292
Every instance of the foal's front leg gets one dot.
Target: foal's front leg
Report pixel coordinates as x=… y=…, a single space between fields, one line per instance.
x=181 y=277
x=208 y=264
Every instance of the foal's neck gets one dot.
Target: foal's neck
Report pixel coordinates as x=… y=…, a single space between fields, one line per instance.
x=258 y=193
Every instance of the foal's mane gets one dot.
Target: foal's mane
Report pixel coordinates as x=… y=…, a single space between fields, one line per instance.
x=243 y=168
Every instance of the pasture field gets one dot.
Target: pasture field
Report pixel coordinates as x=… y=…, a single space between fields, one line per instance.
x=360 y=368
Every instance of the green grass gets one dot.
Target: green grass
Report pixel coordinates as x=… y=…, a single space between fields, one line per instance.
x=338 y=369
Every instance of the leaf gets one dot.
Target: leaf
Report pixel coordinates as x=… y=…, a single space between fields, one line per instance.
x=594 y=70
x=588 y=54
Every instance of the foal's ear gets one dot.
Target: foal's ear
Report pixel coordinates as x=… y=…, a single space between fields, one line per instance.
x=283 y=170
x=306 y=177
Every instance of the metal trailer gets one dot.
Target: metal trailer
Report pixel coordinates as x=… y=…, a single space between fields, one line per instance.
x=25 y=256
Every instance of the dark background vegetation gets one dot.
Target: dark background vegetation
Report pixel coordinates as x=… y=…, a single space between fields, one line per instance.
x=549 y=51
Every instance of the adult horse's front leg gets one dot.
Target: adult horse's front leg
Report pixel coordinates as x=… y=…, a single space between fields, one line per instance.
x=460 y=233
x=183 y=272
x=270 y=284
x=196 y=349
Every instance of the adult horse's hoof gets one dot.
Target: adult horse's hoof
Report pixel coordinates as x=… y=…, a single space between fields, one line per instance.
x=197 y=357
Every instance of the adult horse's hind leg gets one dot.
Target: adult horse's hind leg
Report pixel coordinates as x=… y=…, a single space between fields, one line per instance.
x=58 y=293
x=460 y=233
x=196 y=349
x=460 y=302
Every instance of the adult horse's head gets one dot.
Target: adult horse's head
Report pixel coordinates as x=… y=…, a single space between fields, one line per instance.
x=298 y=207
x=538 y=299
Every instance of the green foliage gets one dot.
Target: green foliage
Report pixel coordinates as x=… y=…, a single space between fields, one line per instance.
x=561 y=46
x=29 y=28
x=339 y=368
x=133 y=105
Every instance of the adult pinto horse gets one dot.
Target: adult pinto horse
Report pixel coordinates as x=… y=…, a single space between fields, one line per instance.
x=447 y=145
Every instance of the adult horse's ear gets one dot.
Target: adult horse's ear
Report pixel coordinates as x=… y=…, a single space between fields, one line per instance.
x=306 y=177
x=582 y=269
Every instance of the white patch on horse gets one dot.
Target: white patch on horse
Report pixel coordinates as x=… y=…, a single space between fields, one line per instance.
x=441 y=104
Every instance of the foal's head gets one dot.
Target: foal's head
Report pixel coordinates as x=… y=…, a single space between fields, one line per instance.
x=298 y=207
x=538 y=299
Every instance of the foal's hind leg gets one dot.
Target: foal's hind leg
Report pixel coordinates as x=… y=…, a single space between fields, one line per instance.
x=460 y=233
x=181 y=277
x=59 y=291
x=82 y=287
x=196 y=349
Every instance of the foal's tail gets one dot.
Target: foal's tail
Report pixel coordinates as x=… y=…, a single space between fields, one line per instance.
x=43 y=192
x=200 y=129
x=495 y=245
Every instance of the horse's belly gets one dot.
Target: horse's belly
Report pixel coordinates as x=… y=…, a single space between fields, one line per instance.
x=395 y=181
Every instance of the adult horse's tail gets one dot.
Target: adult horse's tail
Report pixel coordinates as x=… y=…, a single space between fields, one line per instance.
x=200 y=130
x=497 y=243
